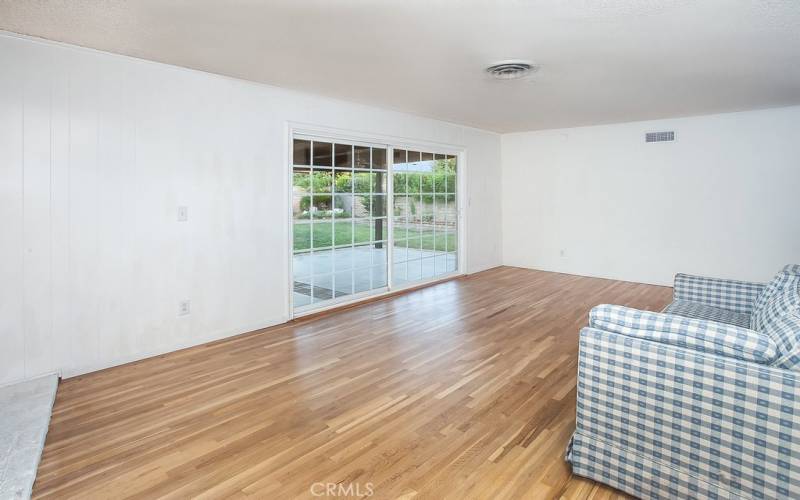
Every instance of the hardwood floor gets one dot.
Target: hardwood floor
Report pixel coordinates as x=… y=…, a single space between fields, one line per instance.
x=462 y=390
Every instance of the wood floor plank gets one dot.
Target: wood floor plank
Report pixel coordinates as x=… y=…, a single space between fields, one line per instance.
x=465 y=389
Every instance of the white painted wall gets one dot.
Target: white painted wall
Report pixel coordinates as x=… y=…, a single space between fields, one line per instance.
x=723 y=200
x=97 y=152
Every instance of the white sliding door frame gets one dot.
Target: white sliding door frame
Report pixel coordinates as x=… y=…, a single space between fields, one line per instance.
x=305 y=131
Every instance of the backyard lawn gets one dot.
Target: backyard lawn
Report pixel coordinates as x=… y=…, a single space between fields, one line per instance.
x=327 y=234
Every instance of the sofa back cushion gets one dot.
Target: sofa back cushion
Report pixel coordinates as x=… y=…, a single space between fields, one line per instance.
x=788 y=277
x=782 y=324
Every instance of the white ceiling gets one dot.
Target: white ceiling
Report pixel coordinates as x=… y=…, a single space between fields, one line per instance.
x=602 y=61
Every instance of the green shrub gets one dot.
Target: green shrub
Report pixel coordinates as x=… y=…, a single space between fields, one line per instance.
x=321 y=202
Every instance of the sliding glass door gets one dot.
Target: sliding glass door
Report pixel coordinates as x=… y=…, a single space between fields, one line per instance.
x=350 y=200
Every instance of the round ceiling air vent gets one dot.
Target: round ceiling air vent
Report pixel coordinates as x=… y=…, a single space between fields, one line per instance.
x=513 y=69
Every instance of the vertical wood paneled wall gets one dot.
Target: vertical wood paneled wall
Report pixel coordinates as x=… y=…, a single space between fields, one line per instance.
x=97 y=152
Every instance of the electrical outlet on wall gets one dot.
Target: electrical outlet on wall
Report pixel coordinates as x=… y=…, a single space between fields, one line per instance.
x=183 y=308
x=562 y=253
x=183 y=214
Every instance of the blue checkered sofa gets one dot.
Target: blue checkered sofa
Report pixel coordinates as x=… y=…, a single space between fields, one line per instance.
x=701 y=400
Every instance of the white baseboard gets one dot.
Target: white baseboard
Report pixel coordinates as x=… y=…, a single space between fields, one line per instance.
x=211 y=337
x=483 y=267
x=588 y=275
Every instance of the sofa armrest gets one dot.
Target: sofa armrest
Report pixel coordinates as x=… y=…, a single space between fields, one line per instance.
x=696 y=334
x=730 y=423
x=733 y=295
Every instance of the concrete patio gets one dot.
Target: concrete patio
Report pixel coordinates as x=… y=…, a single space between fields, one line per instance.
x=345 y=271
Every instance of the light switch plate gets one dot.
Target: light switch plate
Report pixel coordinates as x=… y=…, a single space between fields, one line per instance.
x=184 y=308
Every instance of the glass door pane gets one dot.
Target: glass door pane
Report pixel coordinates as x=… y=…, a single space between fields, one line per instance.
x=425 y=216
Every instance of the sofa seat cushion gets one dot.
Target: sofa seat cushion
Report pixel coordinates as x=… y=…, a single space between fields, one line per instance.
x=689 y=333
x=702 y=311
